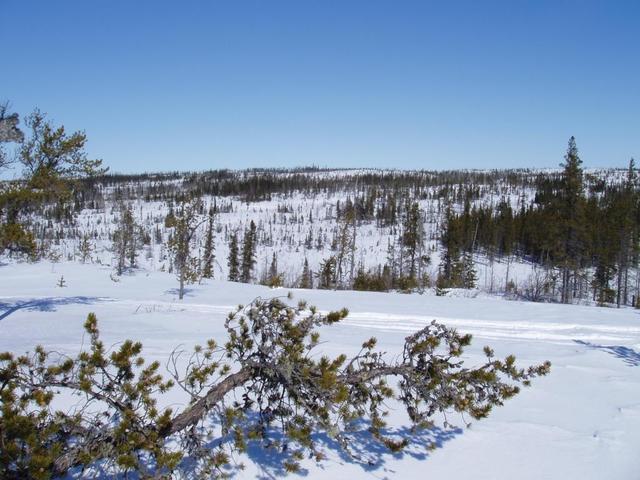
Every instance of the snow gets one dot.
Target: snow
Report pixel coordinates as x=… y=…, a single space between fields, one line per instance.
x=581 y=421
x=286 y=220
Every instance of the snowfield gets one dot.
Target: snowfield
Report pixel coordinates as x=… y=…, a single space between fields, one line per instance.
x=580 y=422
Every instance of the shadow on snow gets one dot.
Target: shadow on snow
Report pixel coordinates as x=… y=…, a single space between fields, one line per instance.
x=626 y=354
x=188 y=292
x=270 y=455
x=365 y=450
x=45 y=304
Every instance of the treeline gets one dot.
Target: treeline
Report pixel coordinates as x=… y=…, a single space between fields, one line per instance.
x=260 y=185
x=579 y=231
x=585 y=242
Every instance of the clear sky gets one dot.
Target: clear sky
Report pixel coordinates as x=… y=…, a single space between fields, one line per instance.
x=161 y=85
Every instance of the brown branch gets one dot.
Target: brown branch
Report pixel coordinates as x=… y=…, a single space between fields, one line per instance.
x=368 y=375
x=198 y=410
x=185 y=419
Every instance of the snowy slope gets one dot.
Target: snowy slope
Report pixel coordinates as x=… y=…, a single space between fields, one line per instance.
x=582 y=421
x=299 y=225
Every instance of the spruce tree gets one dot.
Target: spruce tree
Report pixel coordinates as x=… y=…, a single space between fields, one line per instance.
x=306 y=279
x=469 y=275
x=451 y=273
x=412 y=239
x=344 y=244
x=232 y=262
x=126 y=240
x=209 y=249
x=571 y=208
x=327 y=273
x=248 y=253
x=274 y=279
x=85 y=248
x=627 y=228
x=181 y=244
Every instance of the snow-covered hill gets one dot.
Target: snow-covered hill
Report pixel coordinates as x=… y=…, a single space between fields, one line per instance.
x=301 y=223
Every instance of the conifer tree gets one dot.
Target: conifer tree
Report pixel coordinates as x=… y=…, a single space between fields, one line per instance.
x=345 y=245
x=412 y=240
x=571 y=204
x=306 y=279
x=451 y=271
x=9 y=131
x=181 y=244
x=327 y=273
x=85 y=248
x=248 y=253
x=469 y=275
x=274 y=278
x=627 y=231
x=209 y=249
x=52 y=161
x=126 y=241
x=232 y=262
x=392 y=263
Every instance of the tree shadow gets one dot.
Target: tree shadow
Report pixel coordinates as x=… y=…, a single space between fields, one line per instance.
x=45 y=304
x=188 y=292
x=371 y=454
x=626 y=354
x=270 y=455
x=364 y=450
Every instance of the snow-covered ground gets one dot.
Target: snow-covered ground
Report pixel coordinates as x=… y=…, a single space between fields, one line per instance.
x=582 y=421
x=300 y=225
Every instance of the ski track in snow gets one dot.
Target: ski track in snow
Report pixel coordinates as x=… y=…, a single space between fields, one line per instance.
x=516 y=330
x=550 y=332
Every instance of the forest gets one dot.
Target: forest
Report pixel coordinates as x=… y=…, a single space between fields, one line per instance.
x=564 y=235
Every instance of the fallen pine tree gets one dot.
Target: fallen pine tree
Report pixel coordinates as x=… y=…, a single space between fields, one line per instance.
x=262 y=377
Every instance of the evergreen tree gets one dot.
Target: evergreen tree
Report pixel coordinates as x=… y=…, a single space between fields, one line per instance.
x=451 y=273
x=412 y=240
x=158 y=236
x=571 y=203
x=126 y=241
x=248 y=253
x=306 y=279
x=181 y=244
x=274 y=279
x=52 y=161
x=345 y=245
x=209 y=249
x=327 y=273
x=627 y=230
x=233 y=263
x=392 y=264
x=469 y=275
x=85 y=248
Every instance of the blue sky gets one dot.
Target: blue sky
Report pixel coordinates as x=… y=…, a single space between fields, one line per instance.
x=197 y=85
